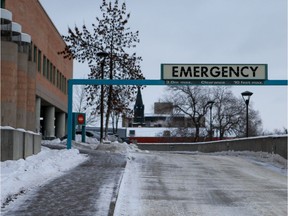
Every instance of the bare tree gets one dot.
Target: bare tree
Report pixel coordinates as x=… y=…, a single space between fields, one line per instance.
x=191 y=101
x=276 y=131
x=80 y=105
x=227 y=111
x=111 y=35
x=254 y=122
x=120 y=110
x=229 y=116
x=279 y=131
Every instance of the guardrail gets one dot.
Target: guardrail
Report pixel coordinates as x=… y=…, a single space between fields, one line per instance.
x=269 y=144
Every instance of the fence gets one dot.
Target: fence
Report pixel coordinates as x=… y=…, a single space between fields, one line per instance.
x=270 y=144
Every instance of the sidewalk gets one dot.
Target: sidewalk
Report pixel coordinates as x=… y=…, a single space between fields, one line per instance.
x=89 y=189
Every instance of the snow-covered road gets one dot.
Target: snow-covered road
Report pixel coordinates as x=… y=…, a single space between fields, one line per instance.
x=181 y=184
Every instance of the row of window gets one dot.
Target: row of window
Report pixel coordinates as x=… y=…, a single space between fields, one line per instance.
x=48 y=70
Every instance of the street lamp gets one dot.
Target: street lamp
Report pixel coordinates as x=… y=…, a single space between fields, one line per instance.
x=211 y=105
x=102 y=55
x=246 y=97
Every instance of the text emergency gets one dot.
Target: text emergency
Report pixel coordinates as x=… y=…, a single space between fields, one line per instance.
x=223 y=72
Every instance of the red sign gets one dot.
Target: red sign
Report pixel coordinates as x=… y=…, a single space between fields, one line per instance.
x=80 y=119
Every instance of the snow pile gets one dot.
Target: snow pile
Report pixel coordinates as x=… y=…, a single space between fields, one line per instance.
x=116 y=147
x=90 y=143
x=53 y=143
x=89 y=140
x=93 y=144
x=22 y=175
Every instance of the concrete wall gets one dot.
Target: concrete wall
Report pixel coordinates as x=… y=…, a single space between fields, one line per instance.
x=272 y=144
x=17 y=144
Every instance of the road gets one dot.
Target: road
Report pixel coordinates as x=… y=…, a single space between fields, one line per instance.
x=161 y=183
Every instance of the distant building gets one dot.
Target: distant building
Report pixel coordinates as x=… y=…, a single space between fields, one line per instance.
x=163 y=116
x=163 y=108
x=172 y=120
x=33 y=76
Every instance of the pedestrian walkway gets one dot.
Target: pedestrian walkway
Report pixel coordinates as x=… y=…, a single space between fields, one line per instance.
x=89 y=189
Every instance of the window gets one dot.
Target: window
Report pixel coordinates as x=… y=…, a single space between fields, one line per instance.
x=57 y=79
x=65 y=85
x=47 y=69
x=62 y=82
x=39 y=61
x=44 y=66
x=30 y=51
x=54 y=75
x=50 y=72
x=35 y=54
x=2 y=3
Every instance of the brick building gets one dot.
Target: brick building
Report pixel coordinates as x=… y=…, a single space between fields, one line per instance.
x=33 y=76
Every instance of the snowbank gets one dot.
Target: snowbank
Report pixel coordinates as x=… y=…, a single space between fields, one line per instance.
x=91 y=143
x=22 y=175
x=116 y=147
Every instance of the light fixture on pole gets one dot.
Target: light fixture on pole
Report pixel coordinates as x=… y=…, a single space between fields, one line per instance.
x=246 y=97
x=210 y=107
x=102 y=55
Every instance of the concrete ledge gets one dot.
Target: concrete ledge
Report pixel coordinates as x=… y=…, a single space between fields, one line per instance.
x=36 y=143
x=11 y=145
x=28 y=145
x=18 y=144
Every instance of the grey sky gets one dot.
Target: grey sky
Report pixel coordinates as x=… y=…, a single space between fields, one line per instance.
x=194 y=31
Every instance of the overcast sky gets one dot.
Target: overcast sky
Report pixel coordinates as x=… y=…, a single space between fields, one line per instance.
x=193 y=31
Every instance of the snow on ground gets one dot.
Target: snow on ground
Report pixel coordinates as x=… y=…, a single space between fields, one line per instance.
x=270 y=161
x=22 y=175
x=194 y=183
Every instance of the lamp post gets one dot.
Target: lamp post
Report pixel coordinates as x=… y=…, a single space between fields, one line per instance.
x=246 y=97
x=102 y=55
x=211 y=105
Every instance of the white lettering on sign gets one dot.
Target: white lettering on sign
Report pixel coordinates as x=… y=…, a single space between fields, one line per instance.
x=236 y=72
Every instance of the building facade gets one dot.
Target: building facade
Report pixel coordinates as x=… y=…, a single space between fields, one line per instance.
x=163 y=116
x=33 y=75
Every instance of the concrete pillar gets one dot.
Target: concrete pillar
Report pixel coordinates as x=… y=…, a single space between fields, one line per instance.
x=66 y=123
x=49 y=119
x=31 y=98
x=37 y=114
x=60 y=124
x=22 y=90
